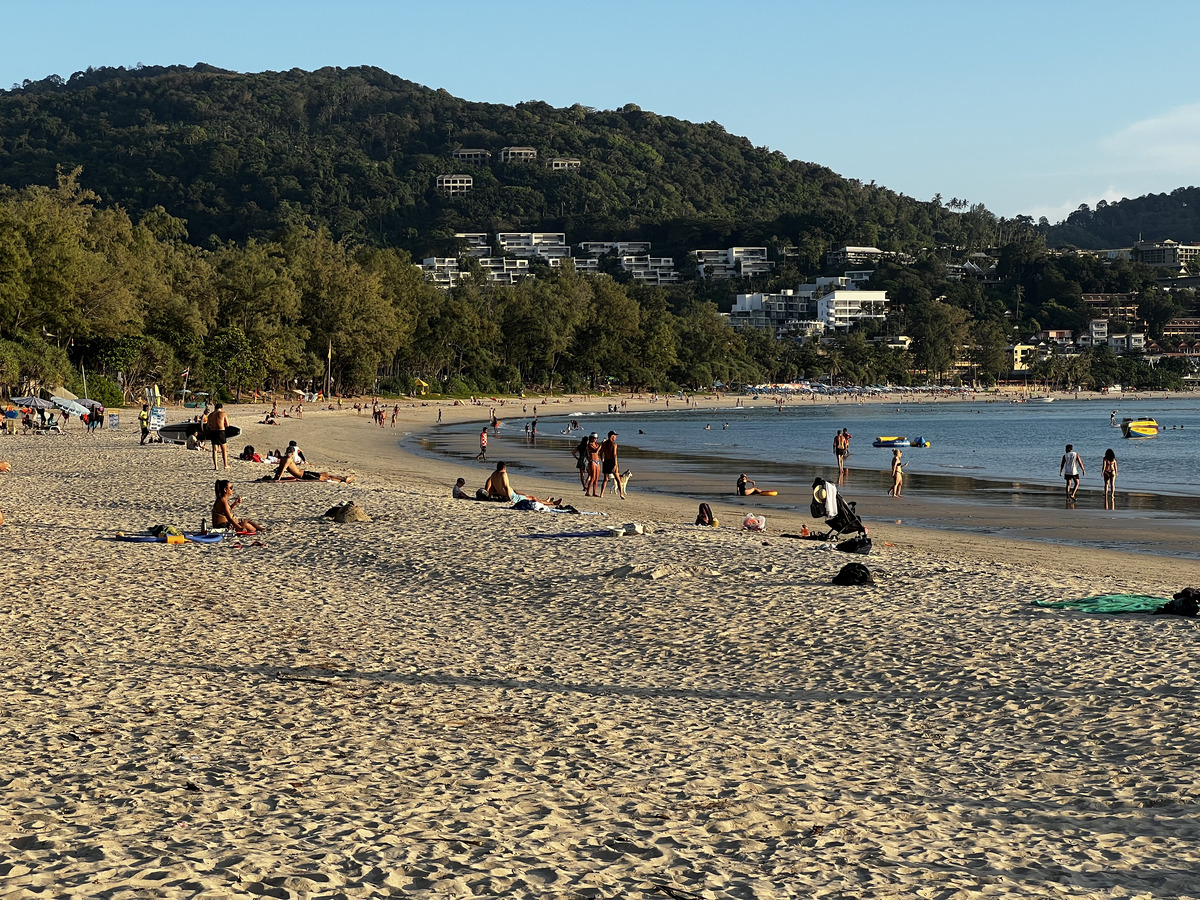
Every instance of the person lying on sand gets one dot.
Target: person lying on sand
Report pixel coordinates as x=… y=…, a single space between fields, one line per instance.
x=222 y=511
x=288 y=466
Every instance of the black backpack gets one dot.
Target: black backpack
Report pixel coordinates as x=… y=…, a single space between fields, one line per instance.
x=854 y=574
x=860 y=543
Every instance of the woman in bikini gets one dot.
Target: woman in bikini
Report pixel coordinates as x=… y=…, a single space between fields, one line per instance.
x=1108 y=470
x=897 y=474
x=222 y=511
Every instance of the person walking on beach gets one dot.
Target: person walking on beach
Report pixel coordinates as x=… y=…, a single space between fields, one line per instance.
x=841 y=446
x=482 y=444
x=1070 y=469
x=217 y=423
x=1108 y=471
x=608 y=460
x=897 y=473
x=144 y=421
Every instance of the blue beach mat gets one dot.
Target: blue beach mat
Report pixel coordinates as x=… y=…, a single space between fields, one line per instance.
x=1108 y=603
x=162 y=538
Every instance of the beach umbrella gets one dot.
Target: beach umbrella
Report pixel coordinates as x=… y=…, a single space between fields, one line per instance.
x=32 y=402
x=90 y=404
x=69 y=406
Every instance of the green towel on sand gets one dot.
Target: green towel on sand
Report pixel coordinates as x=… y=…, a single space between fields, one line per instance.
x=1108 y=603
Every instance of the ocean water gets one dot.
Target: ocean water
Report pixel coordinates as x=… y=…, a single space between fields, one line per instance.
x=1006 y=450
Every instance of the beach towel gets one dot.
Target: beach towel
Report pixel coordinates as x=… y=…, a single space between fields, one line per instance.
x=1108 y=603
x=570 y=534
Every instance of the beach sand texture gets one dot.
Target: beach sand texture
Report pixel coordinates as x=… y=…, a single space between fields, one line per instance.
x=434 y=703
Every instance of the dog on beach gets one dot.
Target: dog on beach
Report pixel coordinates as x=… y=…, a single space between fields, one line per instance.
x=623 y=478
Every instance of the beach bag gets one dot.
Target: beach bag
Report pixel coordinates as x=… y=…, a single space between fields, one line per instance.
x=754 y=523
x=854 y=574
x=860 y=543
x=1183 y=603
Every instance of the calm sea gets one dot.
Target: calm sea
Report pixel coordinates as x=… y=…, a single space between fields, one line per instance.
x=1005 y=452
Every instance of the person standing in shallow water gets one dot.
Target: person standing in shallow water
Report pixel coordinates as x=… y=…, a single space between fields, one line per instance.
x=897 y=473
x=1108 y=471
x=1070 y=469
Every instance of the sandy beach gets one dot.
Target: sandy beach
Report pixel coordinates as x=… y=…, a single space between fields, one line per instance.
x=452 y=700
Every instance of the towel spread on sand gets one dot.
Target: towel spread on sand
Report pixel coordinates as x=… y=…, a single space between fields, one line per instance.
x=1108 y=603
x=570 y=534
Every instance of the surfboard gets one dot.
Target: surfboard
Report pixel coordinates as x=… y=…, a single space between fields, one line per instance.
x=179 y=432
x=162 y=538
x=769 y=493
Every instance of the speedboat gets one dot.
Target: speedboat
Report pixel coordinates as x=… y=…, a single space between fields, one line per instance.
x=1139 y=428
x=890 y=441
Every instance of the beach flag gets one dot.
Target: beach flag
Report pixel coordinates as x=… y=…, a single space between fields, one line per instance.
x=185 y=372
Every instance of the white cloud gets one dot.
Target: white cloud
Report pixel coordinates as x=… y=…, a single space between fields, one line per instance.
x=1059 y=212
x=1165 y=143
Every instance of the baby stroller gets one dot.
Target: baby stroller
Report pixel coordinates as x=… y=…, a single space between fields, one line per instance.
x=844 y=521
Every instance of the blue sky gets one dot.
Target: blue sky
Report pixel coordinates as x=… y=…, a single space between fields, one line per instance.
x=1028 y=107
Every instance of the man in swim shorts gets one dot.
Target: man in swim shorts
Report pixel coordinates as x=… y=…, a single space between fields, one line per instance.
x=1070 y=469
x=217 y=423
x=608 y=464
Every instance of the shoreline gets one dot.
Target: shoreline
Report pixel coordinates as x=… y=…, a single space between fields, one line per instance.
x=1159 y=524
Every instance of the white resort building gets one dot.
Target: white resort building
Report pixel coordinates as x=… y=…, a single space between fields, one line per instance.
x=734 y=262
x=455 y=184
x=473 y=156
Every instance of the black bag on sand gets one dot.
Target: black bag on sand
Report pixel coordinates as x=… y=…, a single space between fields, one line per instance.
x=854 y=574
x=1184 y=604
x=860 y=543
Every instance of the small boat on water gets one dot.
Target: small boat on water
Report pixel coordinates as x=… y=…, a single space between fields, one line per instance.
x=894 y=441
x=1139 y=428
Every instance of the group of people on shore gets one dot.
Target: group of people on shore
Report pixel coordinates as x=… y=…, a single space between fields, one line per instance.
x=596 y=462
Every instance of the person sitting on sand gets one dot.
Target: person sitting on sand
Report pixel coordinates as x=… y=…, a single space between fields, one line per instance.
x=222 y=511
x=705 y=516
x=460 y=490
x=746 y=486
x=497 y=488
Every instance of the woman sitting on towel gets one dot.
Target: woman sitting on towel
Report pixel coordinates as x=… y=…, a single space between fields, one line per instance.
x=222 y=511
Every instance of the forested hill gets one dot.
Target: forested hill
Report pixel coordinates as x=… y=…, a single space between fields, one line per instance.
x=237 y=155
x=1154 y=217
